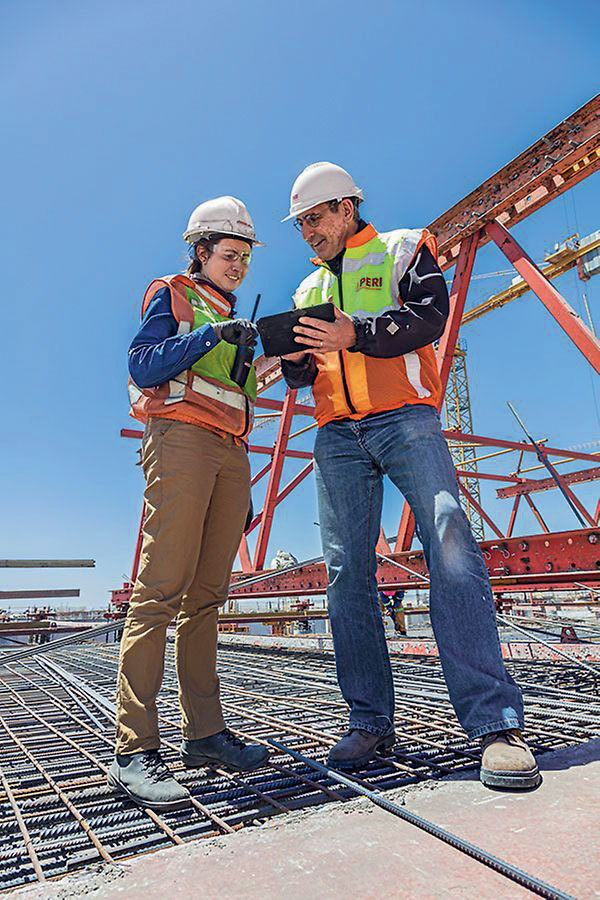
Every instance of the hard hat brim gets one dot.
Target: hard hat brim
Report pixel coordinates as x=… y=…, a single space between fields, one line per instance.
x=317 y=200
x=190 y=237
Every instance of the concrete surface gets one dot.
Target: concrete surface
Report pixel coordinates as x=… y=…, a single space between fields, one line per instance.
x=357 y=850
x=517 y=649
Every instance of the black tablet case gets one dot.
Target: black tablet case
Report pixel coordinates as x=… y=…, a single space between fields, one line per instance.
x=277 y=336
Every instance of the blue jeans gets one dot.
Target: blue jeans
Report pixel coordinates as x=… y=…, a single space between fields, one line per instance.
x=351 y=459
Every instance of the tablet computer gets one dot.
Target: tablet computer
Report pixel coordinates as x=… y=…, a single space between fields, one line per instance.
x=276 y=332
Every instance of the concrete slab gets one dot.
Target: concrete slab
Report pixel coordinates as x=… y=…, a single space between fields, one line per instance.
x=414 y=646
x=354 y=849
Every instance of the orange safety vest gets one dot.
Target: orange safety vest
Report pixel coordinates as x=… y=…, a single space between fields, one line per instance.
x=352 y=385
x=203 y=395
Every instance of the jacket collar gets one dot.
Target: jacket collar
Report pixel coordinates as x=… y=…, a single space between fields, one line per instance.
x=361 y=237
x=216 y=293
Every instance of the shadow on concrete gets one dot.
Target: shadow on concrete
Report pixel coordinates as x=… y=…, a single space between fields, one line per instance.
x=568 y=757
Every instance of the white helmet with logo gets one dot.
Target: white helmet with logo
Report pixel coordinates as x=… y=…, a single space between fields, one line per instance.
x=318 y=183
x=223 y=215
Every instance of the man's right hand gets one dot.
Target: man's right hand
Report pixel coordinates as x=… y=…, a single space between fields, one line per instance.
x=295 y=357
x=236 y=331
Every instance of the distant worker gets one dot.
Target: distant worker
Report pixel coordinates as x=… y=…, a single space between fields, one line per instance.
x=377 y=393
x=197 y=404
x=391 y=604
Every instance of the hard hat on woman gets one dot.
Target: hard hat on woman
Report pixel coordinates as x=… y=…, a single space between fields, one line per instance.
x=223 y=215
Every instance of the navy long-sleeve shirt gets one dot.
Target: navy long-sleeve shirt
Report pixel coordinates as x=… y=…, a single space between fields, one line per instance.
x=157 y=352
x=419 y=321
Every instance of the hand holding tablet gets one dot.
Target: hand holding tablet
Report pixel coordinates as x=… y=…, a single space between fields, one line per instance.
x=328 y=331
x=277 y=332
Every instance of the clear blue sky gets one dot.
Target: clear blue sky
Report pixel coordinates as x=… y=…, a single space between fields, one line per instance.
x=118 y=118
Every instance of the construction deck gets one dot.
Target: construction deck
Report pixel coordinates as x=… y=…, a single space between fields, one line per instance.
x=57 y=815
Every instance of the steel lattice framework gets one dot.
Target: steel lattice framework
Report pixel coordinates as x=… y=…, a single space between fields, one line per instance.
x=458 y=417
x=565 y=156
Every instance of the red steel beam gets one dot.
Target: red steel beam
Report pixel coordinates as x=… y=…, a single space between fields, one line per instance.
x=445 y=354
x=458 y=296
x=533 y=562
x=294 y=483
x=256 y=478
x=268 y=372
x=501 y=584
x=487 y=476
x=556 y=162
x=282 y=495
x=138 y=546
x=537 y=514
x=406 y=529
x=267 y=618
x=513 y=516
x=382 y=545
x=275 y=478
x=244 y=554
x=516 y=445
x=567 y=492
x=543 y=288
x=131 y=433
x=300 y=409
x=535 y=485
x=270 y=451
x=480 y=510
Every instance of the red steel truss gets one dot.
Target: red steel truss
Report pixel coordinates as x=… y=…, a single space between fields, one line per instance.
x=527 y=563
x=565 y=156
x=561 y=159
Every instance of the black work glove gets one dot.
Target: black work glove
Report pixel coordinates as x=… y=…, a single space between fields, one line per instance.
x=242 y=332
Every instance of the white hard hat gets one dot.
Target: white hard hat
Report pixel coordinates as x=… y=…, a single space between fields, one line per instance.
x=320 y=182
x=223 y=215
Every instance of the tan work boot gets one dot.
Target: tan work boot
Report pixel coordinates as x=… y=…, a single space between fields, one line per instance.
x=507 y=761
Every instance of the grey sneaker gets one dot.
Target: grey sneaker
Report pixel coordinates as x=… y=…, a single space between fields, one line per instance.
x=223 y=749
x=145 y=778
x=507 y=761
x=357 y=747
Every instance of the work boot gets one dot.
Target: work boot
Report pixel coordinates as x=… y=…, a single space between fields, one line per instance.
x=223 y=749
x=357 y=747
x=145 y=778
x=507 y=761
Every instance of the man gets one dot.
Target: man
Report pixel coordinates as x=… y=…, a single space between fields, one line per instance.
x=377 y=393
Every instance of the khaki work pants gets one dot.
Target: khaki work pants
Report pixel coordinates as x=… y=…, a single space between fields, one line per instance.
x=197 y=497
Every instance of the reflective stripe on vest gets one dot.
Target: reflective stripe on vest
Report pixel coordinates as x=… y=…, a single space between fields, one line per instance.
x=177 y=390
x=200 y=386
x=413 y=373
x=221 y=306
x=135 y=393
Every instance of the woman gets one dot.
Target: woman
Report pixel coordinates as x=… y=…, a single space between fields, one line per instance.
x=187 y=387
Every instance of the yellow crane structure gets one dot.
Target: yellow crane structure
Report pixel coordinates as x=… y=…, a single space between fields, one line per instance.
x=564 y=257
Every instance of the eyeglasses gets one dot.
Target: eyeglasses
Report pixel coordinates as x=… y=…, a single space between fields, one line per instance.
x=311 y=219
x=232 y=256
